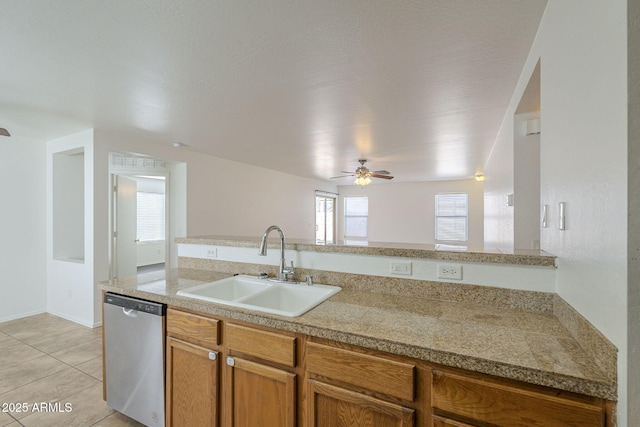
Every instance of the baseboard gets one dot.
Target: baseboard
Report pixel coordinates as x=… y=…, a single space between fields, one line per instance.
x=21 y=315
x=72 y=319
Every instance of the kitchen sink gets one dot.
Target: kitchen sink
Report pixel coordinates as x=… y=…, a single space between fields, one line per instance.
x=290 y=299
x=230 y=289
x=285 y=299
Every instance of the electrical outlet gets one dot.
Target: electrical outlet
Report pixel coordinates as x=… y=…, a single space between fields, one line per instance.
x=212 y=253
x=403 y=268
x=450 y=271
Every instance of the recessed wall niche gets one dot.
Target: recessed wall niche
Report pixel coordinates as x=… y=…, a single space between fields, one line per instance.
x=68 y=205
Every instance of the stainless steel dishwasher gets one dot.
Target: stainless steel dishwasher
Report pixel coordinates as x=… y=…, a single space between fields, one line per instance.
x=134 y=357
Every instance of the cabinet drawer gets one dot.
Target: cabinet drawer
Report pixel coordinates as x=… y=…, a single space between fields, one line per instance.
x=503 y=405
x=193 y=328
x=373 y=373
x=269 y=346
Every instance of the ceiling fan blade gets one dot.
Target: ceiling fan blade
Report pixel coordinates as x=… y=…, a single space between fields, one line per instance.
x=4 y=132
x=375 y=175
x=382 y=172
x=341 y=176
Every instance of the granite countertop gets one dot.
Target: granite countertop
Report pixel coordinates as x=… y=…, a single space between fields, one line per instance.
x=410 y=250
x=510 y=343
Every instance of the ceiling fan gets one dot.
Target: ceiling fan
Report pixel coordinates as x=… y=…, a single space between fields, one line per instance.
x=363 y=174
x=4 y=132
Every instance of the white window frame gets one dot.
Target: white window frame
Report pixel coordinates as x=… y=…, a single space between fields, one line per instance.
x=334 y=198
x=346 y=217
x=453 y=216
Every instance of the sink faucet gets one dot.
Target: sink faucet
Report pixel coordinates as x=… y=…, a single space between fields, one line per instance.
x=283 y=271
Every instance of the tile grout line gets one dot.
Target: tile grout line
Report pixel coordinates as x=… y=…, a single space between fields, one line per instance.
x=66 y=365
x=46 y=376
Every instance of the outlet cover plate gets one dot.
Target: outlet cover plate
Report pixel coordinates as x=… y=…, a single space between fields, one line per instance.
x=450 y=271
x=402 y=268
x=212 y=253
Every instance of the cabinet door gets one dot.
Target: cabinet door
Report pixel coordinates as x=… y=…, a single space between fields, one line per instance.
x=446 y=422
x=192 y=385
x=331 y=406
x=258 y=395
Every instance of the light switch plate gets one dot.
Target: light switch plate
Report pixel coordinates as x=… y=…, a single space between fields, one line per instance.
x=402 y=268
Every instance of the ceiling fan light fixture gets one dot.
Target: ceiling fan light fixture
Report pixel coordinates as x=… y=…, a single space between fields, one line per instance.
x=363 y=174
x=362 y=180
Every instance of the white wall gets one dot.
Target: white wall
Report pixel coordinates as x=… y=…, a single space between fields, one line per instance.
x=633 y=279
x=405 y=211
x=526 y=184
x=22 y=227
x=582 y=49
x=230 y=198
x=150 y=253
x=67 y=208
x=584 y=162
x=498 y=182
x=70 y=285
x=223 y=197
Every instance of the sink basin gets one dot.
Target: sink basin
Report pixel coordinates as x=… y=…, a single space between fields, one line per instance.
x=285 y=299
x=229 y=289
x=290 y=299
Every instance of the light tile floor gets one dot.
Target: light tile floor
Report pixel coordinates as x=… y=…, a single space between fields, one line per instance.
x=49 y=365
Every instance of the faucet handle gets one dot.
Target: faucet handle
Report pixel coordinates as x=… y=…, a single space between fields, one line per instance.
x=288 y=271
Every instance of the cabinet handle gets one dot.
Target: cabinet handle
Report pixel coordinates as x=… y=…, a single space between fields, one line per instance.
x=230 y=361
x=213 y=355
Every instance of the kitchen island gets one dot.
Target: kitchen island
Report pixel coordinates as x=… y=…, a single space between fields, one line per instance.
x=479 y=330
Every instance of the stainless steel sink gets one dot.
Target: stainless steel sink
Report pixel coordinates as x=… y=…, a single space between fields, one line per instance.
x=285 y=299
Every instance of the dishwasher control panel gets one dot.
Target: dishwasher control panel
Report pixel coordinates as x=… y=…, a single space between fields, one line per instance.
x=135 y=304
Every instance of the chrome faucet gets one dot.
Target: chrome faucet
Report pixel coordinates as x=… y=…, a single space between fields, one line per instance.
x=284 y=272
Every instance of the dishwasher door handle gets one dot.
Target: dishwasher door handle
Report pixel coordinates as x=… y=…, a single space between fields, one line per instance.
x=130 y=312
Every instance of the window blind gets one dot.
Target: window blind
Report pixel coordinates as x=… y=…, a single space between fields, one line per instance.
x=356 y=216
x=151 y=219
x=452 y=217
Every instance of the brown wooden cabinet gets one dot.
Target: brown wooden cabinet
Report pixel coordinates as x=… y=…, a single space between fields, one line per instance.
x=260 y=391
x=332 y=406
x=258 y=395
x=235 y=374
x=192 y=370
x=446 y=422
x=345 y=388
x=482 y=400
x=192 y=385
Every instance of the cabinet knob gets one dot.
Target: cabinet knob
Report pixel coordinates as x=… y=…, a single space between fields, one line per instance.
x=230 y=361
x=213 y=355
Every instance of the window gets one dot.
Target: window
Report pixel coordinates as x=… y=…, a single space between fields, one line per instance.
x=325 y=217
x=150 y=217
x=356 y=217
x=452 y=217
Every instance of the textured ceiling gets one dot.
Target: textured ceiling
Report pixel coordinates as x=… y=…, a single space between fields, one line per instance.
x=306 y=87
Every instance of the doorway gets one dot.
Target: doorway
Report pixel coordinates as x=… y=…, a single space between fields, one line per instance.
x=139 y=224
x=139 y=215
